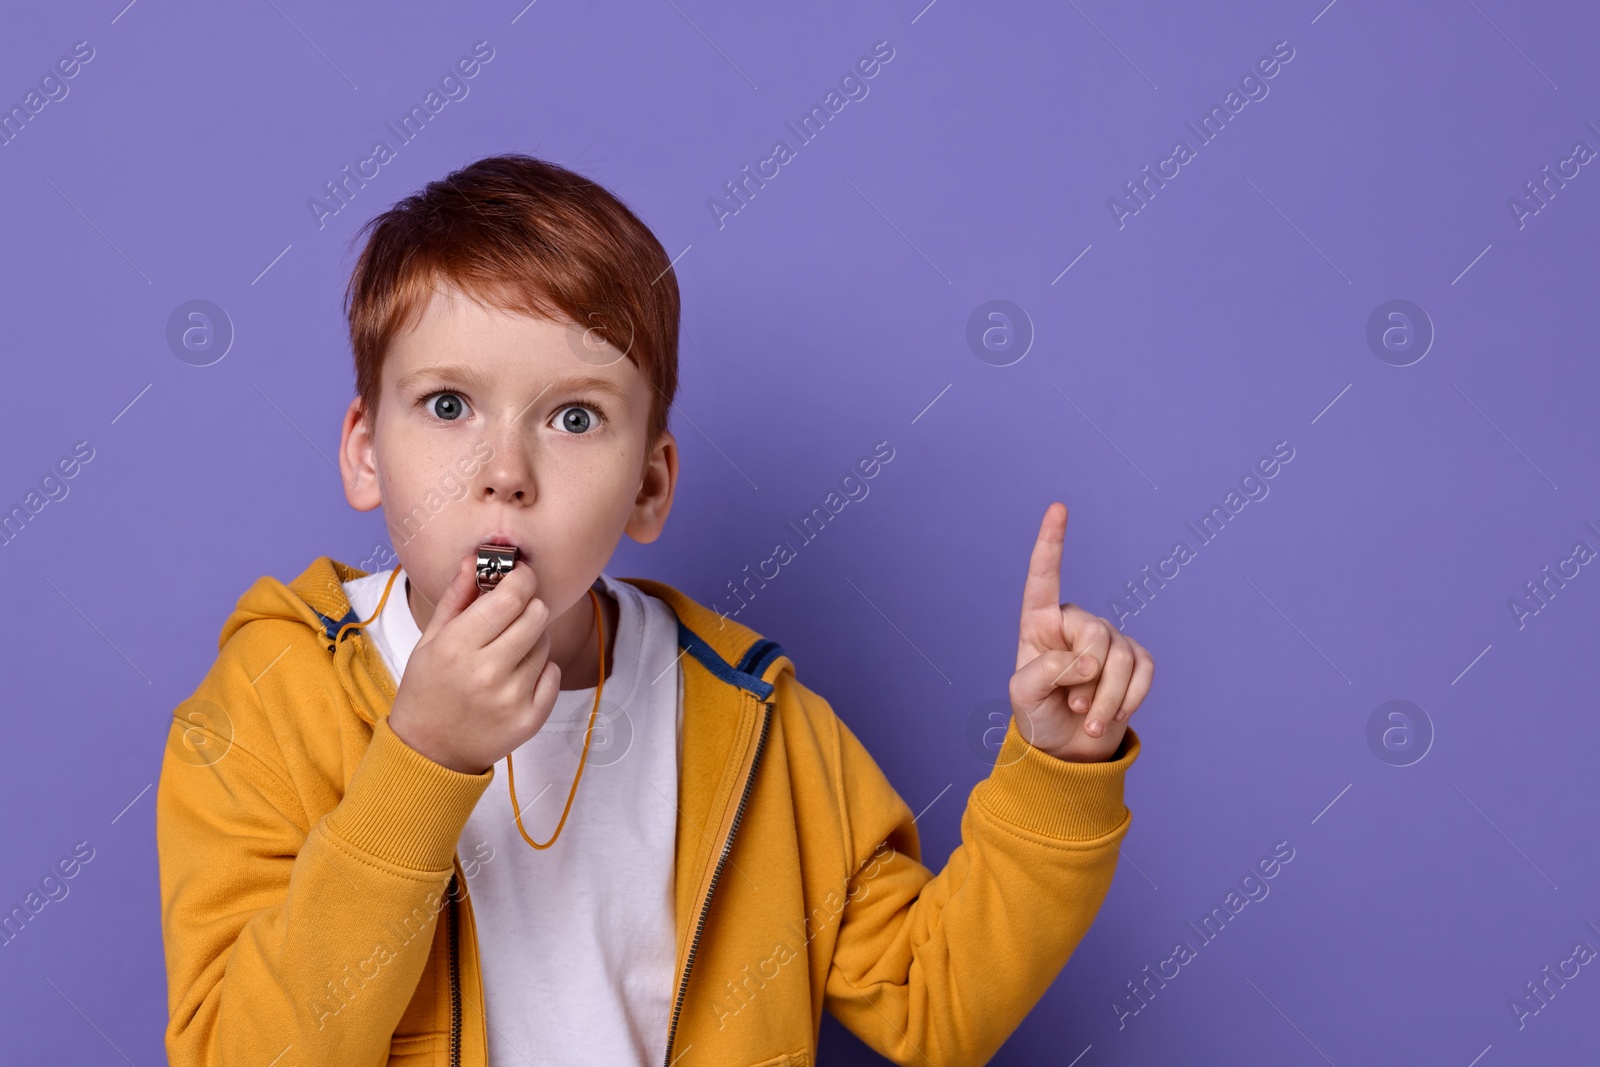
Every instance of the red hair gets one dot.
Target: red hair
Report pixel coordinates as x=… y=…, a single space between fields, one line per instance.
x=525 y=235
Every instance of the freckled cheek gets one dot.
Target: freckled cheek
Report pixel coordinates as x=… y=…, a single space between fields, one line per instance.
x=415 y=463
x=402 y=488
x=575 y=488
x=591 y=494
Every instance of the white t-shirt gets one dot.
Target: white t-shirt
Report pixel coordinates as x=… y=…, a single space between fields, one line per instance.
x=577 y=941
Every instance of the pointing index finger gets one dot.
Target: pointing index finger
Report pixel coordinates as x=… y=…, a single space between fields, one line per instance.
x=1042 y=591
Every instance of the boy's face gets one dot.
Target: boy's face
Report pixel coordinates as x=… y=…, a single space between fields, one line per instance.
x=491 y=427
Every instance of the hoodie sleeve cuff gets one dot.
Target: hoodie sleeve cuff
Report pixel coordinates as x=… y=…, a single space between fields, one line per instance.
x=1034 y=790
x=403 y=807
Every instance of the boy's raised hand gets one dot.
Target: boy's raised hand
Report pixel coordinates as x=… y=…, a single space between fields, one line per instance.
x=1078 y=678
x=479 y=683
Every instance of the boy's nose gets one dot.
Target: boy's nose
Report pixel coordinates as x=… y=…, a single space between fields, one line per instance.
x=508 y=477
x=506 y=488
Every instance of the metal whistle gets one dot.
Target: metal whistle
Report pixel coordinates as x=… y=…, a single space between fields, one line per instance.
x=494 y=563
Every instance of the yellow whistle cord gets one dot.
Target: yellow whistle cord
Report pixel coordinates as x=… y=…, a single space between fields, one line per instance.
x=511 y=780
x=384 y=599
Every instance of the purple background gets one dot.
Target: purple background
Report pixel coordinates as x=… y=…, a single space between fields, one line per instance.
x=831 y=313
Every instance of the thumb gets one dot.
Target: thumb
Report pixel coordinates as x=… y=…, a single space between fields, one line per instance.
x=463 y=590
x=1045 y=673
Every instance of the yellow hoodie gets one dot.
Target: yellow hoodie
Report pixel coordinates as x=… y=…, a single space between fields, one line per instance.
x=314 y=908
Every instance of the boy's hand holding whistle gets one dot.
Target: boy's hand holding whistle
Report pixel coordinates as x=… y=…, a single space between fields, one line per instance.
x=479 y=682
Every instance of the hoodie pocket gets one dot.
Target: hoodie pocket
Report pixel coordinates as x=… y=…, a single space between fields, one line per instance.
x=802 y=1058
x=415 y=1050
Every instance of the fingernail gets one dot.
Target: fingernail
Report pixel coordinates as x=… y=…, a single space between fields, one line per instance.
x=1095 y=729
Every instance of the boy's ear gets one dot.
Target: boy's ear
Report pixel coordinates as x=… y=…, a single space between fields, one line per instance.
x=654 y=501
x=358 y=461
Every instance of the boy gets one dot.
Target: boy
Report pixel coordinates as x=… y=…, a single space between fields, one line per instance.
x=342 y=886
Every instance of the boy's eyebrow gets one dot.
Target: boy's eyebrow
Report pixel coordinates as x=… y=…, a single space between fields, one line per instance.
x=591 y=381
x=449 y=371
x=477 y=379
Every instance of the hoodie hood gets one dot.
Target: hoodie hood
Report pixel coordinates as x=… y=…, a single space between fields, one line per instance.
x=316 y=598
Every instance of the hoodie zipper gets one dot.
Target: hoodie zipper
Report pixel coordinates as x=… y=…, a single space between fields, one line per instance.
x=727 y=847
x=455 y=979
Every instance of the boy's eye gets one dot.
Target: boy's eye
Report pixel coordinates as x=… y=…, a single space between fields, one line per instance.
x=445 y=406
x=577 y=419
